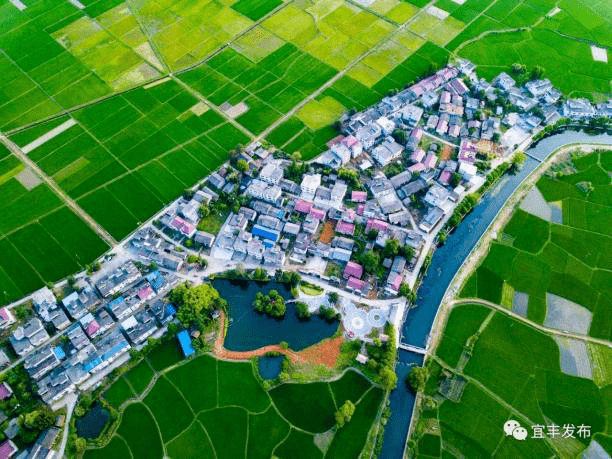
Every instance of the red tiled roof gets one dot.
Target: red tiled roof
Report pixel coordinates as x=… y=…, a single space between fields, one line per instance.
x=345 y=228
x=376 y=224
x=7 y=449
x=92 y=328
x=317 y=213
x=5 y=391
x=355 y=283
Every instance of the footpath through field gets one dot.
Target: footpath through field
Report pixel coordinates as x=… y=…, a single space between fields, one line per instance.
x=71 y=203
x=325 y=353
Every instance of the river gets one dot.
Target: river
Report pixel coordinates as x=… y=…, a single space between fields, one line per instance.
x=445 y=263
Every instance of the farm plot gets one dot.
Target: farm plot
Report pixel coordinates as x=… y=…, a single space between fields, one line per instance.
x=187 y=32
x=529 y=371
x=41 y=78
x=116 y=63
x=43 y=241
x=563 y=35
x=115 y=158
x=557 y=267
x=188 y=415
x=268 y=88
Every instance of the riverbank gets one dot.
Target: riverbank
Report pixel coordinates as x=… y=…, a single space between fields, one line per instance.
x=448 y=260
x=481 y=249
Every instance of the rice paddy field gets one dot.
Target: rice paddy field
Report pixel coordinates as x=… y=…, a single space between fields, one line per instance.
x=512 y=371
x=205 y=408
x=554 y=273
x=86 y=92
x=562 y=268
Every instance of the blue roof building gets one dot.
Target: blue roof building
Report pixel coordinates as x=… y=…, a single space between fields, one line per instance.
x=156 y=280
x=59 y=352
x=185 y=342
x=266 y=233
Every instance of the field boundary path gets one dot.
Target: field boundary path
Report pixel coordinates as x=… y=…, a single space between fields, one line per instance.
x=100 y=231
x=542 y=328
x=481 y=248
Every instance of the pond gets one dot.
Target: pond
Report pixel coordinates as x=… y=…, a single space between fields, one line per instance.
x=249 y=330
x=90 y=425
x=270 y=367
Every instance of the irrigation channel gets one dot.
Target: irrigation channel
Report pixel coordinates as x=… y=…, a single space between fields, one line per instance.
x=445 y=263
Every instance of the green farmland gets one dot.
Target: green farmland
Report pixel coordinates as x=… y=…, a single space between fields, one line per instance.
x=550 y=266
x=86 y=93
x=564 y=254
x=205 y=408
x=511 y=371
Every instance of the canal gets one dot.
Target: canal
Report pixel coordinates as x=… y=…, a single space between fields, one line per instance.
x=445 y=263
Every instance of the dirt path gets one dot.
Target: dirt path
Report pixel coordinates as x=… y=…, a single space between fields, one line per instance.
x=324 y=353
x=58 y=191
x=542 y=328
x=482 y=247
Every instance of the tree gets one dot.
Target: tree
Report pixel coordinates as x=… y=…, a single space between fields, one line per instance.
x=407 y=252
x=400 y=136
x=388 y=378
x=329 y=314
x=517 y=161
x=417 y=378
x=442 y=238
x=260 y=274
x=518 y=68
x=537 y=73
x=80 y=444
x=242 y=165
x=391 y=248
x=371 y=261
x=302 y=310
x=345 y=413
x=407 y=292
x=39 y=419
x=272 y=304
x=333 y=297
x=194 y=302
x=204 y=211
x=372 y=234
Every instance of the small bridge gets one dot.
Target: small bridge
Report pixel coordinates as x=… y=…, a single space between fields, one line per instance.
x=411 y=348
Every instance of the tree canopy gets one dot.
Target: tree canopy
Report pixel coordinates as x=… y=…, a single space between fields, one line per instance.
x=272 y=304
x=195 y=302
x=345 y=413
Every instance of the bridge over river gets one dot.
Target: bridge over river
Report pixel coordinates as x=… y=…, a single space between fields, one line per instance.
x=445 y=263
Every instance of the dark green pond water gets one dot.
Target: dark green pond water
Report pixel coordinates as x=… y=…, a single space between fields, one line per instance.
x=90 y=425
x=250 y=330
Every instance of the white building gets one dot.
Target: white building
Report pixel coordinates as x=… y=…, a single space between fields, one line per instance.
x=387 y=151
x=271 y=173
x=309 y=185
x=264 y=191
x=578 y=109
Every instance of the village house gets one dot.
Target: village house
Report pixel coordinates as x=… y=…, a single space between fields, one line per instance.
x=118 y=280
x=28 y=336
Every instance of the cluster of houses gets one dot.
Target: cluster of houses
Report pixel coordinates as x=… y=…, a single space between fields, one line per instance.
x=42 y=447
x=97 y=323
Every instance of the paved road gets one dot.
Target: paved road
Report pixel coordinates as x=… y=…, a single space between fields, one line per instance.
x=58 y=191
x=71 y=401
